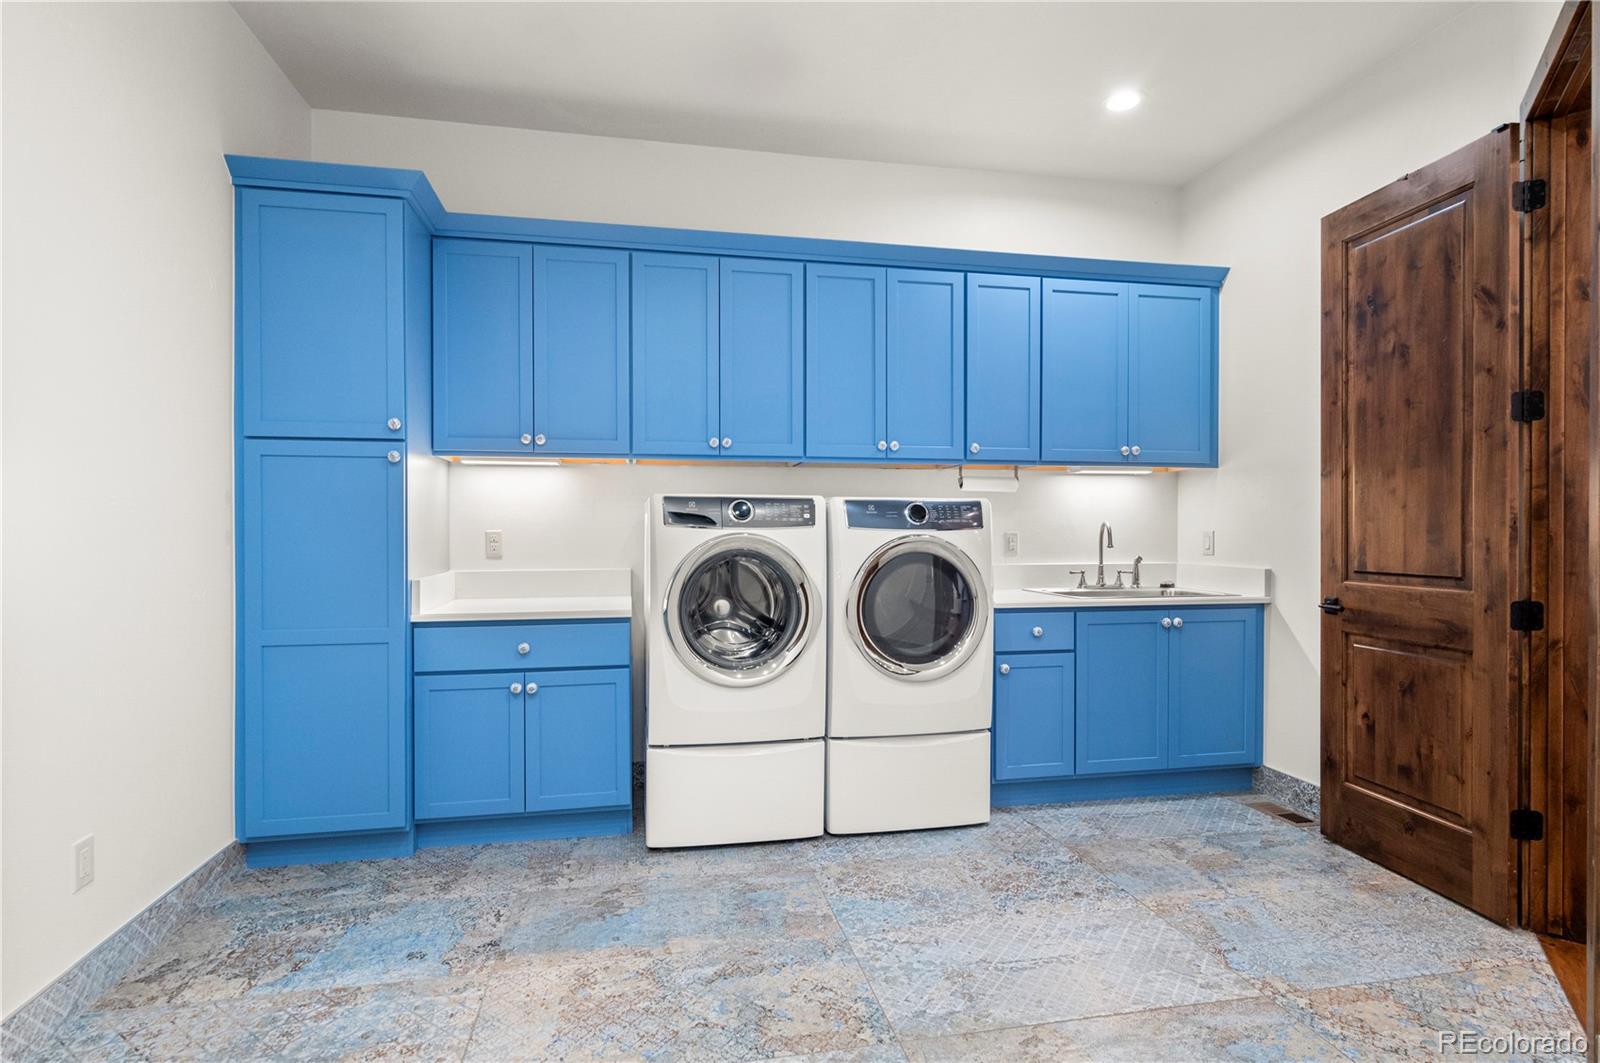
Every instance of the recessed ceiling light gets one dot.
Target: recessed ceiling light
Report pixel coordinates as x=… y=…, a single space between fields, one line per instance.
x=1124 y=100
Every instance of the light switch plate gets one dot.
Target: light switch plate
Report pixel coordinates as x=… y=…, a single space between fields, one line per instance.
x=494 y=545
x=1013 y=542
x=82 y=862
x=1208 y=543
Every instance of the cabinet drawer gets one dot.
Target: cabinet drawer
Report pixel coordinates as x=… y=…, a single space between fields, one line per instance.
x=1025 y=630
x=453 y=647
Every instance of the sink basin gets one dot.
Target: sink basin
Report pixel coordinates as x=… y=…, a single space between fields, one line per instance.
x=1124 y=592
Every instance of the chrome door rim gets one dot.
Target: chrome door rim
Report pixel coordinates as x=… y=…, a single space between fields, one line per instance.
x=771 y=550
x=964 y=649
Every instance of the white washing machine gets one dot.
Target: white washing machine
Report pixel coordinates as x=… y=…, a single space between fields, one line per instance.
x=736 y=669
x=910 y=678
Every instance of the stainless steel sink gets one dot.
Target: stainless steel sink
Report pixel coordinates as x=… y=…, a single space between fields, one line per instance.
x=1124 y=592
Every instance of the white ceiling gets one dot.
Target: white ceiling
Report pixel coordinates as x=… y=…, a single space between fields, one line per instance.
x=996 y=86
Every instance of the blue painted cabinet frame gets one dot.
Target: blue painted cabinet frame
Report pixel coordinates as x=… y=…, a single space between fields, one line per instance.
x=926 y=356
x=469 y=745
x=847 y=362
x=581 y=351
x=1085 y=373
x=1033 y=716
x=1002 y=368
x=761 y=373
x=1172 y=374
x=483 y=387
x=579 y=739
x=677 y=369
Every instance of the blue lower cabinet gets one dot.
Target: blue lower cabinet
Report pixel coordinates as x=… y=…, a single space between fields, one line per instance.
x=469 y=744
x=1215 y=699
x=1033 y=716
x=578 y=741
x=1122 y=690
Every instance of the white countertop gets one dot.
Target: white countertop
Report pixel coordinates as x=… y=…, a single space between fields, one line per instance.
x=522 y=594
x=1221 y=584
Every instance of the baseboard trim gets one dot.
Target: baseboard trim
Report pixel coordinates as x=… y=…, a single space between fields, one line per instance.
x=31 y=1029
x=1104 y=787
x=1290 y=792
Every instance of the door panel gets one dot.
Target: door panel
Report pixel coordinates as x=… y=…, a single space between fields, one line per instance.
x=580 y=350
x=1122 y=690
x=927 y=365
x=763 y=399
x=482 y=347
x=1172 y=367
x=675 y=358
x=1216 y=687
x=1003 y=368
x=1084 y=370
x=468 y=744
x=321 y=311
x=1420 y=512
x=579 y=739
x=1034 y=719
x=846 y=361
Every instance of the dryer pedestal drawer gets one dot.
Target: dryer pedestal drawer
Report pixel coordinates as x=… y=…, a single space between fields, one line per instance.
x=883 y=784
x=501 y=647
x=723 y=795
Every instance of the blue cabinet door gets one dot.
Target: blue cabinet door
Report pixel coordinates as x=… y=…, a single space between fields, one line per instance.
x=1034 y=716
x=926 y=391
x=322 y=609
x=675 y=356
x=1085 y=373
x=1216 y=687
x=763 y=394
x=1172 y=374
x=321 y=308
x=482 y=347
x=468 y=742
x=580 y=351
x=1122 y=690
x=579 y=739
x=1002 y=368
x=847 y=365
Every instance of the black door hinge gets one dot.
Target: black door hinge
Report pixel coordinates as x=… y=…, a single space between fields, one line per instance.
x=1527 y=405
x=1529 y=195
x=1527 y=615
x=1527 y=825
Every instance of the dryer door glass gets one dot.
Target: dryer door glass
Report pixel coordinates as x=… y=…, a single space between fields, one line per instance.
x=740 y=612
x=919 y=609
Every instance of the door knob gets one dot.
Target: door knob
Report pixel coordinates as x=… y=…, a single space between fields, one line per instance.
x=526 y=439
x=538 y=440
x=1005 y=669
x=1177 y=621
x=726 y=442
x=894 y=444
x=1038 y=632
x=523 y=648
x=1126 y=450
x=516 y=688
x=533 y=688
x=394 y=424
x=974 y=448
x=714 y=441
x=1136 y=450
x=1331 y=605
x=1166 y=621
x=394 y=457
x=883 y=444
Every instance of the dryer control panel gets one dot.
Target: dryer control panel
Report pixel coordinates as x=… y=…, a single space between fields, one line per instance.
x=913 y=515
x=699 y=511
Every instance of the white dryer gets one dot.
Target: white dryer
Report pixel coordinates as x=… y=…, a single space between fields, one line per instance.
x=910 y=676
x=736 y=669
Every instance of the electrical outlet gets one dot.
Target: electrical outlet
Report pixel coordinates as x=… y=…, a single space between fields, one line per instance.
x=1208 y=543
x=1012 y=547
x=82 y=862
x=494 y=545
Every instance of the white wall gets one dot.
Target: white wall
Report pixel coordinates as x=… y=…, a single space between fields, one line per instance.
x=1260 y=213
x=117 y=443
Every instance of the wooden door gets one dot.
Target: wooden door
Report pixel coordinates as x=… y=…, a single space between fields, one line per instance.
x=763 y=358
x=580 y=351
x=1003 y=368
x=676 y=366
x=482 y=347
x=1419 y=515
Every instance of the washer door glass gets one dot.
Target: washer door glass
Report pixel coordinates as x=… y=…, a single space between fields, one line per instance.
x=919 y=609
x=741 y=611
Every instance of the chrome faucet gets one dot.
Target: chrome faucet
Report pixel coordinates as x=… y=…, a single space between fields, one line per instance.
x=1105 y=541
x=1136 y=563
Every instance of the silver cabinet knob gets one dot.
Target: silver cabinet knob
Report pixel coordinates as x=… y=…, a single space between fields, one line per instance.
x=394 y=424
x=1177 y=621
x=726 y=442
x=713 y=441
x=394 y=457
x=883 y=444
x=538 y=440
x=894 y=444
x=974 y=448
x=1126 y=450
x=523 y=648
x=1038 y=632
x=1136 y=450
x=533 y=688
x=1166 y=621
x=526 y=439
x=1005 y=669
x=516 y=688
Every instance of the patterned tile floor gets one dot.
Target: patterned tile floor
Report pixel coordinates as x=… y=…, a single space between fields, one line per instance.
x=1172 y=928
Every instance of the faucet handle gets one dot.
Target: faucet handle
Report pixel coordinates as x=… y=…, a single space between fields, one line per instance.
x=1082 y=574
x=1120 y=573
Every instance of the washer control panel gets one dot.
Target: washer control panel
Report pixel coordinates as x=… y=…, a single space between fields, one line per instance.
x=701 y=511
x=912 y=514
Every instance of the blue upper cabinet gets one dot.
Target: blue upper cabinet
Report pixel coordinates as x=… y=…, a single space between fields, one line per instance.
x=1085 y=372
x=1002 y=368
x=482 y=347
x=1216 y=687
x=322 y=613
x=925 y=413
x=676 y=356
x=1122 y=690
x=763 y=389
x=1172 y=375
x=321 y=338
x=580 y=351
x=1033 y=716
x=847 y=365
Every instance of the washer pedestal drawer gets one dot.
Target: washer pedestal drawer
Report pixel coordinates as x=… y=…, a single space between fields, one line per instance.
x=909 y=783
x=722 y=795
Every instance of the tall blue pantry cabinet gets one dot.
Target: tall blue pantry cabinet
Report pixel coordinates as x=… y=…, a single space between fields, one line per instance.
x=332 y=310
